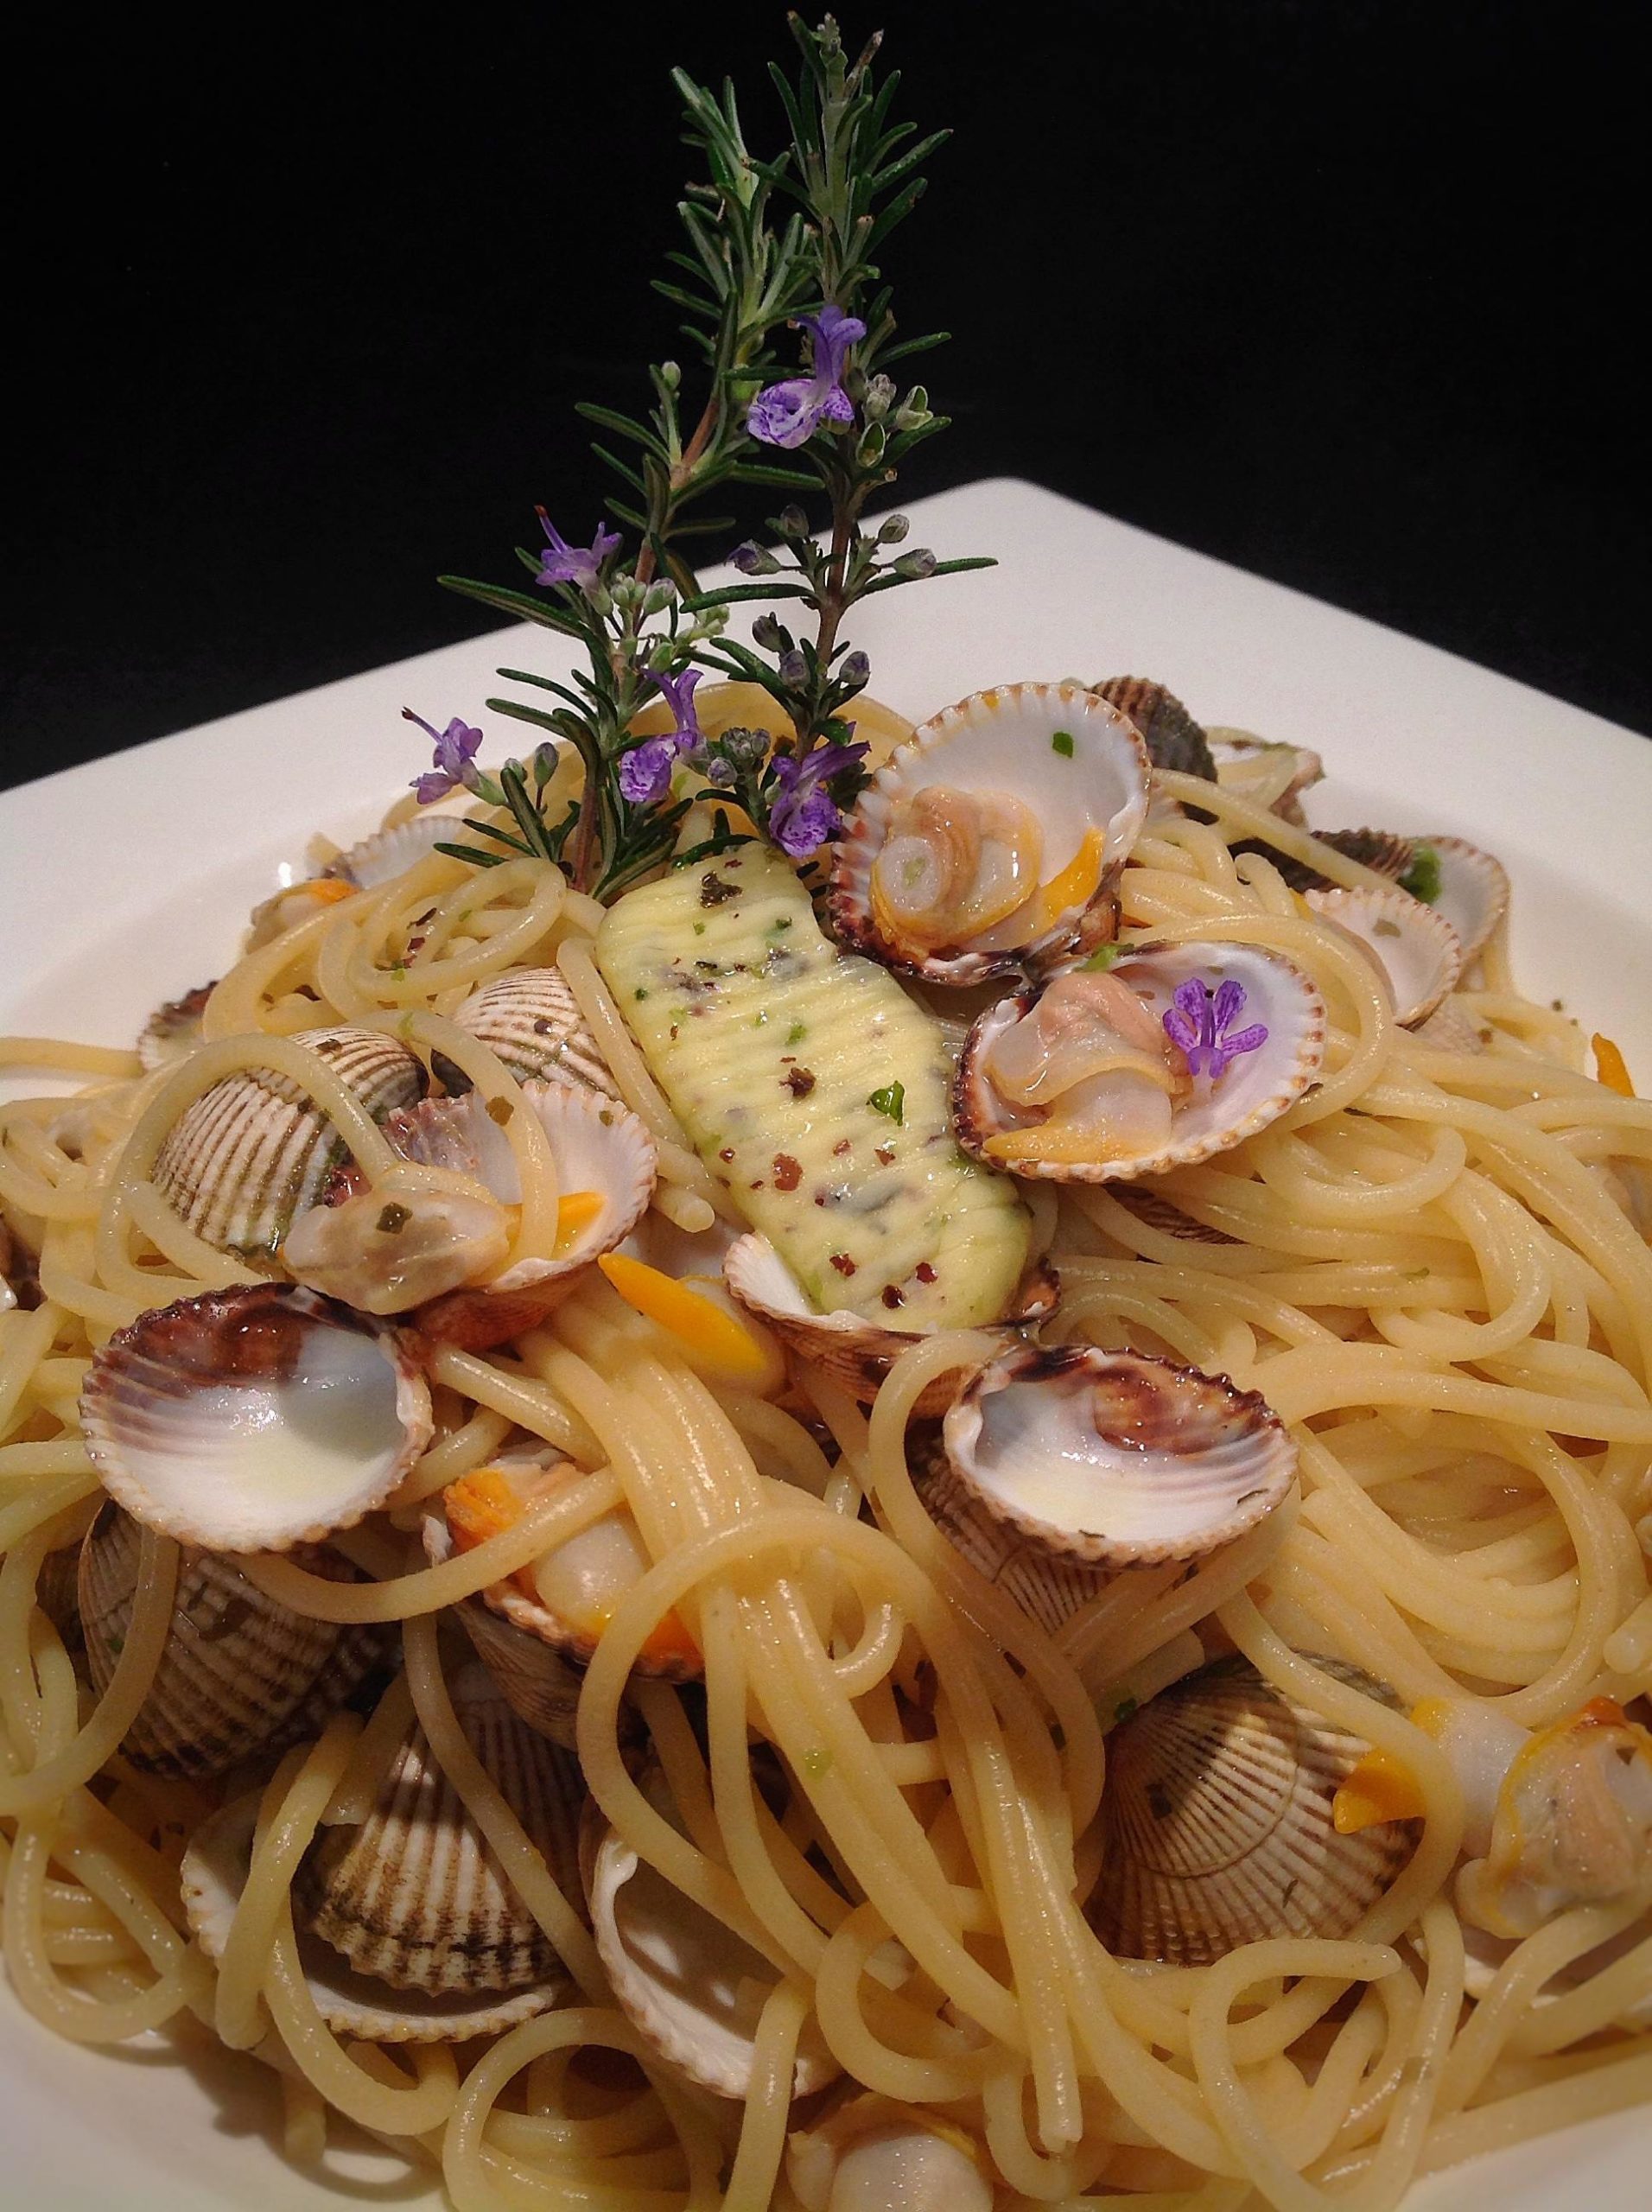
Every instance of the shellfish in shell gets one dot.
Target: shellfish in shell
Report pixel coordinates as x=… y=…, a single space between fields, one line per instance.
x=1048 y=1587
x=990 y=842
x=1114 y=1457
x=1217 y=1822
x=253 y=1419
x=253 y=1153
x=238 y=1672
x=1264 y=772
x=531 y=1019
x=872 y=2155
x=690 y=1987
x=1414 y=948
x=854 y=1351
x=1140 y=1068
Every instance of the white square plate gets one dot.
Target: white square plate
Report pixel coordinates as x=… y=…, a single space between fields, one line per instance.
x=123 y=883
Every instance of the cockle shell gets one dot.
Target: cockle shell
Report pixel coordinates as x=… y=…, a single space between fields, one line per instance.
x=253 y=1151
x=1115 y=1459
x=1473 y=894
x=531 y=1674
x=253 y=1419
x=238 y=1672
x=173 y=1029
x=1414 y=947
x=1049 y=1589
x=1154 y=1210
x=1075 y=760
x=1217 y=1822
x=871 y=2154
x=1254 y=1089
x=387 y=854
x=415 y=1896
x=56 y=1589
x=855 y=1352
x=531 y=1019
x=1264 y=772
x=1384 y=851
x=598 y=1145
x=1171 y=737
x=690 y=1987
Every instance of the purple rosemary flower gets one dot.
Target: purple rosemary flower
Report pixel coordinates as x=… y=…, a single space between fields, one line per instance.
x=562 y=564
x=455 y=755
x=788 y=414
x=1200 y=1025
x=805 y=815
x=646 y=771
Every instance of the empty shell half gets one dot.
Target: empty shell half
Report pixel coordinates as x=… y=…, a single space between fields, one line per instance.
x=991 y=841
x=1414 y=948
x=855 y=1352
x=690 y=1985
x=1113 y=1458
x=238 y=1672
x=254 y=1419
x=1217 y=1822
x=1171 y=1054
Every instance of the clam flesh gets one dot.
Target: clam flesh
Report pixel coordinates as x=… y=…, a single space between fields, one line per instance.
x=990 y=842
x=253 y=1419
x=1169 y=1055
x=1217 y=1822
x=873 y=2155
x=1115 y=1459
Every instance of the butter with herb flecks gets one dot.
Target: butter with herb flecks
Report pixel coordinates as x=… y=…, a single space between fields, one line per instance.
x=816 y=1091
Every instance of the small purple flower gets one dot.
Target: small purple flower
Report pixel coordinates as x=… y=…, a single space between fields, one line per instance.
x=562 y=564
x=805 y=815
x=788 y=414
x=646 y=771
x=456 y=749
x=1200 y=1021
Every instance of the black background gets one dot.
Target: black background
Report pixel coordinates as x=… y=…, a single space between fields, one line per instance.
x=1341 y=292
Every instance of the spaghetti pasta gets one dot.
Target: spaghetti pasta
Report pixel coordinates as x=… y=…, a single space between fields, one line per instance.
x=889 y=1781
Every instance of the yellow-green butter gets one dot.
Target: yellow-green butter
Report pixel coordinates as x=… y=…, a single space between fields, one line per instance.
x=773 y=1046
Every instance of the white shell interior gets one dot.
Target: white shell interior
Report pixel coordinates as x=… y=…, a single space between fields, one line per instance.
x=255 y=1462
x=1413 y=946
x=1473 y=894
x=1203 y=1461
x=1252 y=1089
x=390 y=853
x=757 y=1276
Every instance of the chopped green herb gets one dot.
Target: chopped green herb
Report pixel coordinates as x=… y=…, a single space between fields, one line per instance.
x=891 y=1101
x=1422 y=879
x=639 y=994
x=1385 y=929
x=1125 y=1707
x=1102 y=957
x=699 y=929
x=797 y=1032
x=1062 y=743
x=760 y=1020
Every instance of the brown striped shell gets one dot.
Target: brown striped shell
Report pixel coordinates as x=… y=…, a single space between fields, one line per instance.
x=238 y=1672
x=415 y=1896
x=532 y=1676
x=1048 y=1589
x=174 y=1029
x=1171 y=737
x=1217 y=1822
x=531 y=1019
x=253 y=1153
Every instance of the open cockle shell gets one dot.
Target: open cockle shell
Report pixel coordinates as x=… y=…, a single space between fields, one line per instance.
x=254 y=1419
x=253 y=1153
x=855 y=1352
x=530 y=1018
x=1171 y=737
x=1217 y=1822
x=386 y=854
x=691 y=1987
x=173 y=1030
x=1263 y=770
x=238 y=1672
x=1048 y=1588
x=1414 y=947
x=415 y=1896
x=599 y=1146
x=1115 y=1459
x=1079 y=767
x=1209 y=1116
x=534 y=1679
x=1473 y=894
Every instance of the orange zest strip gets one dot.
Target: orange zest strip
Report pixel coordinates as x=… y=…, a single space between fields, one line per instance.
x=1610 y=1068
x=704 y=1331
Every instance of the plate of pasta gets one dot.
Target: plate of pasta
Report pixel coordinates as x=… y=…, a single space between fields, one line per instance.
x=523 y=1674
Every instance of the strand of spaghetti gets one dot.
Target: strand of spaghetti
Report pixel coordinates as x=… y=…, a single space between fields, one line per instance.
x=518 y=1398
x=768 y=2100
x=71 y=1059
x=413 y=2109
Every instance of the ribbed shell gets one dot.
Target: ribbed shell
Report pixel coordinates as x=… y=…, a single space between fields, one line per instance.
x=238 y=1672
x=390 y=853
x=532 y=1676
x=855 y=1352
x=1171 y=737
x=415 y=1896
x=173 y=1029
x=57 y=1591
x=1155 y=1210
x=1383 y=850
x=531 y=1019
x=251 y=1153
x=1048 y=1590
x=1262 y=769
x=1413 y=945
x=1218 y=1822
